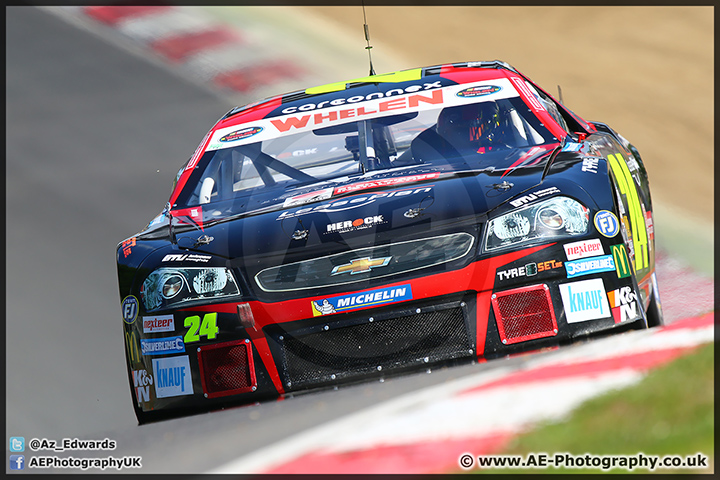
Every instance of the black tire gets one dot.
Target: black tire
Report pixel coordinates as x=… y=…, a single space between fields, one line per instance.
x=654 y=311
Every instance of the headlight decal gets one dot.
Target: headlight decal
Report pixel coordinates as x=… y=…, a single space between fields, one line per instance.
x=173 y=286
x=555 y=217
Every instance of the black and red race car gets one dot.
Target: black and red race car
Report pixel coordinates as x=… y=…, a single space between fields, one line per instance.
x=380 y=225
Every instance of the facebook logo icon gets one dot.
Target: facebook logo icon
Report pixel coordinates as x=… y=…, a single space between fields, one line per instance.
x=17 y=444
x=17 y=462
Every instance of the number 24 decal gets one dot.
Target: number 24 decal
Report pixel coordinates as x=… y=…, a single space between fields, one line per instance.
x=207 y=328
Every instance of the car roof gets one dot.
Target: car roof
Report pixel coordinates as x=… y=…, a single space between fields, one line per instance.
x=365 y=85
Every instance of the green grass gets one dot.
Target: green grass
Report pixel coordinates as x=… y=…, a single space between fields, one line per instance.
x=670 y=412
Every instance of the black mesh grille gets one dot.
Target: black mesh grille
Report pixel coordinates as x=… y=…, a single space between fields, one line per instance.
x=352 y=351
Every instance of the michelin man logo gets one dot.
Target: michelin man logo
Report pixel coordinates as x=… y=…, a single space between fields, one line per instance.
x=325 y=308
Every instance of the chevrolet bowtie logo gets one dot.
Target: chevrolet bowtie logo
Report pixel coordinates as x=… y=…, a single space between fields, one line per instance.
x=361 y=265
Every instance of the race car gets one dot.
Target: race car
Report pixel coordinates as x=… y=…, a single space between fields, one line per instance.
x=382 y=225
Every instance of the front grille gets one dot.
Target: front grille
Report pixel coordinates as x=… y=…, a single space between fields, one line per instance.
x=226 y=368
x=524 y=314
x=374 y=346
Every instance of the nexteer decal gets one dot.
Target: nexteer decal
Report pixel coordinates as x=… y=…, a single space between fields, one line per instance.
x=586 y=248
x=353 y=225
x=623 y=303
x=158 y=323
x=172 y=376
x=348 y=203
x=355 y=301
x=584 y=300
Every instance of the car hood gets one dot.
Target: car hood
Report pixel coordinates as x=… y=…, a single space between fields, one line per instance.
x=359 y=215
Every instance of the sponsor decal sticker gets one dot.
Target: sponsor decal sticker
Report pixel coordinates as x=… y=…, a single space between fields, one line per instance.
x=623 y=304
x=355 y=301
x=590 y=164
x=241 y=134
x=586 y=248
x=478 y=91
x=571 y=147
x=358 y=98
x=308 y=198
x=361 y=265
x=189 y=216
x=622 y=262
x=575 y=268
x=525 y=271
x=384 y=182
x=529 y=270
x=127 y=246
x=133 y=349
x=161 y=346
x=129 y=309
x=172 y=376
x=190 y=257
x=354 y=225
x=141 y=382
x=584 y=300
x=534 y=196
x=159 y=323
x=348 y=203
x=371 y=108
x=607 y=223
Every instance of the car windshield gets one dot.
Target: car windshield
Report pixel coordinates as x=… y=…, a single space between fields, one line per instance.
x=492 y=133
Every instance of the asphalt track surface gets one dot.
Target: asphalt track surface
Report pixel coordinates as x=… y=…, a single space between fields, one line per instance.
x=95 y=134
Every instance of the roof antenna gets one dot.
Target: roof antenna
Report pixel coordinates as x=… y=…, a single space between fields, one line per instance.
x=560 y=95
x=367 y=38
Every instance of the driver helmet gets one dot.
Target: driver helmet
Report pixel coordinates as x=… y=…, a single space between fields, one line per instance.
x=470 y=127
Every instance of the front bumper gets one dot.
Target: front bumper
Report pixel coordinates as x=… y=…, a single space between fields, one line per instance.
x=493 y=307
